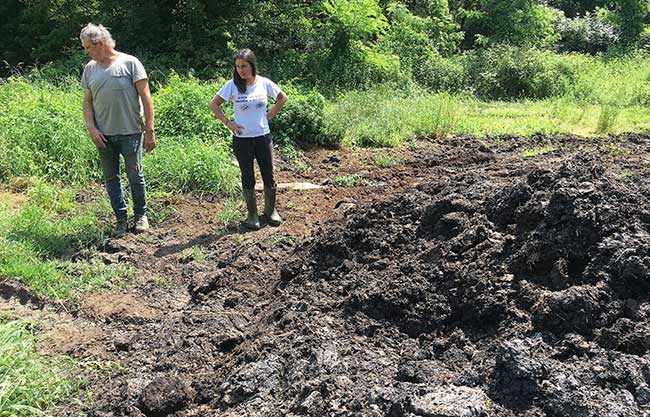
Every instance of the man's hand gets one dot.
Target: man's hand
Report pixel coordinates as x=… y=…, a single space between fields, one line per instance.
x=98 y=137
x=149 y=140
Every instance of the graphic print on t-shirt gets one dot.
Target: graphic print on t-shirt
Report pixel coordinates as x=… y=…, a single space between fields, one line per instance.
x=250 y=107
x=243 y=101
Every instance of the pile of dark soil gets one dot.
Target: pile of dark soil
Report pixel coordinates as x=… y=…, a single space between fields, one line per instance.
x=499 y=286
x=465 y=297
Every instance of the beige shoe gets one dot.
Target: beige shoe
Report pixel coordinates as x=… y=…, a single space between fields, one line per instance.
x=141 y=224
x=120 y=228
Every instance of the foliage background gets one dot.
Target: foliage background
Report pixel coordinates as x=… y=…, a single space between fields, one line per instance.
x=324 y=44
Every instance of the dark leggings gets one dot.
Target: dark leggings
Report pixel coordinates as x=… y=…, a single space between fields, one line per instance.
x=247 y=149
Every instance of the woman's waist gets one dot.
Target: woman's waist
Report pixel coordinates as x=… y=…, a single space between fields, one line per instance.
x=263 y=136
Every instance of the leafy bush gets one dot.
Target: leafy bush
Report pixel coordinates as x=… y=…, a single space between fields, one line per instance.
x=413 y=38
x=182 y=109
x=629 y=17
x=507 y=72
x=443 y=74
x=301 y=119
x=591 y=33
x=644 y=39
x=359 y=67
x=346 y=53
x=419 y=41
x=516 y=22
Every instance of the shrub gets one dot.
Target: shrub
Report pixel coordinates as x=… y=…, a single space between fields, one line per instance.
x=507 y=72
x=590 y=34
x=516 y=22
x=414 y=38
x=644 y=39
x=182 y=109
x=442 y=74
x=301 y=119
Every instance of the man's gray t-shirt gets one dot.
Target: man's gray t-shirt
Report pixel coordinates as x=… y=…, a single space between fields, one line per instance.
x=116 y=103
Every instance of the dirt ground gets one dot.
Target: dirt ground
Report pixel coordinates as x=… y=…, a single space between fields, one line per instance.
x=466 y=280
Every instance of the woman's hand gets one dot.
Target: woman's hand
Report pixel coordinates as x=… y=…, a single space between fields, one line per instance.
x=234 y=127
x=280 y=100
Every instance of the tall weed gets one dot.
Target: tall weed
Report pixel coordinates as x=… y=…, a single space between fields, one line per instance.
x=43 y=133
x=376 y=118
x=192 y=164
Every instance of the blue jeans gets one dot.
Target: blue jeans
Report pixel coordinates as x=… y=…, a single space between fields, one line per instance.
x=130 y=147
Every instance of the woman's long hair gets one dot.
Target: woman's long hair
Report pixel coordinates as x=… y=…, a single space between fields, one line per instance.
x=248 y=56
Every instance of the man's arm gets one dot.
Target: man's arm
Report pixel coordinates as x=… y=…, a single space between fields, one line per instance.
x=89 y=117
x=147 y=103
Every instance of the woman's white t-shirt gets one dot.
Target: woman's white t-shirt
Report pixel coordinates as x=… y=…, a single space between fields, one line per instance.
x=250 y=107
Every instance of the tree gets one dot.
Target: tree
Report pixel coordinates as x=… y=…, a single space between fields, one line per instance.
x=629 y=16
x=516 y=22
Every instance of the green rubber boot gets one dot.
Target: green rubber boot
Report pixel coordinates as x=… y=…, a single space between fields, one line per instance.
x=252 y=221
x=272 y=216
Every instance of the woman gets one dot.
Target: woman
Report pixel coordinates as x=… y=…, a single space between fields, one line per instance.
x=251 y=136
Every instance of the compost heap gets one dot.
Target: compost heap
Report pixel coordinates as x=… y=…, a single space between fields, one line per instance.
x=526 y=296
x=463 y=299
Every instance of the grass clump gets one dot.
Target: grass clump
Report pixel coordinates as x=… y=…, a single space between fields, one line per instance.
x=42 y=133
x=229 y=215
x=183 y=165
x=607 y=119
x=348 y=180
x=29 y=382
x=38 y=240
x=383 y=160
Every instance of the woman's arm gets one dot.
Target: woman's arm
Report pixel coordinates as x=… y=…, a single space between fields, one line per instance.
x=215 y=106
x=280 y=101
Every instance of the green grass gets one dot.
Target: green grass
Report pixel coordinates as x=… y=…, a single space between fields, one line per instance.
x=36 y=242
x=383 y=160
x=607 y=119
x=348 y=180
x=30 y=383
x=552 y=116
x=387 y=122
x=378 y=119
x=231 y=213
x=182 y=165
x=42 y=134
x=194 y=253
x=282 y=240
x=160 y=206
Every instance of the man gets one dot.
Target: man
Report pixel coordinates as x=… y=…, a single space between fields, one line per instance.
x=116 y=90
